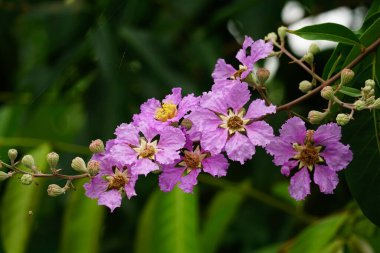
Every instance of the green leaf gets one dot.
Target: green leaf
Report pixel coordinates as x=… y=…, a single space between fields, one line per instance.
x=336 y=60
x=18 y=200
x=316 y=237
x=83 y=222
x=352 y=92
x=169 y=223
x=328 y=31
x=220 y=214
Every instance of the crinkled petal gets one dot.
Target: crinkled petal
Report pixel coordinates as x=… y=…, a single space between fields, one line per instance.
x=222 y=70
x=123 y=154
x=150 y=128
x=214 y=141
x=111 y=199
x=258 y=109
x=187 y=182
x=237 y=96
x=130 y=186
x=95 y=187
x=214 y=101
x=169 y=177
x=239 y=148
x=188 y=103
x=281 y=150
x=148 y=110
x=259 y=133
x=175 y=97
x=171 y=138
x=260 y=50
x=288 y=166
x=300 y=184
x=204 y=120
x=167 y=156
x=143 y=167
x=327 y=134
x=242 y=53
x=216 y=165
x=224 y=86
x=128 y=134
x=325 y=178
x=337 y=156
x=293 y=131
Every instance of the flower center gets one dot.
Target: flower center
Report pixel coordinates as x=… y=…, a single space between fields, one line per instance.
x=192 y=160
x=237 y=74
x=308 y=154
x=146 y=149
x=118 y=180
x=166 y=112
x=234 y=122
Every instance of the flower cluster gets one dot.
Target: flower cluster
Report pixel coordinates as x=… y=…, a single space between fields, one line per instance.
x=182 y=136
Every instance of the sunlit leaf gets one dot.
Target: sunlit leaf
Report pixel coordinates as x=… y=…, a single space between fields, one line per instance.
x=352 y=92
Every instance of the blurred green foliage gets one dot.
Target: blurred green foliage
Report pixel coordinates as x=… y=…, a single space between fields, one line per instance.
x=71 y=71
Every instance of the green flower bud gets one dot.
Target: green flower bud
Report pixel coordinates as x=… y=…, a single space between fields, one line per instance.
x=93 y=167
x=79 y=165
x=188 y=124
x=359 y=105
x=328 y=93
x=4 y=175
x=55 y=190
x=371 y=83
x=12 y=154
x=97 y=146
x=376 y=104
x=366 y=89
x=342 y=119
x=262 y=75
x=282 y=30
x=309 y=58
x=305 y=86
x=369 y=101
x=313 y=49
x=28 y=161
x=271 y=37
x=52 y=159
x=316 y=117
x=346 y=76
x=26 y=179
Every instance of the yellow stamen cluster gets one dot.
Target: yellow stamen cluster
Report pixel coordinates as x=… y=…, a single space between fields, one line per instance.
x=166 y=112
x=234 y=122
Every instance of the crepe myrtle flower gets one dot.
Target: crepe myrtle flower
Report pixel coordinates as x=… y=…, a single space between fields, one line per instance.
x=186 y=169
x=301 y=153
x=225 y=75
x=171 y=110
x=113 y=180
x=225 y=125
x=147 y=147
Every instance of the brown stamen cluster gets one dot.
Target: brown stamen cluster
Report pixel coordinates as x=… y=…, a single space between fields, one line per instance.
x=235 y=123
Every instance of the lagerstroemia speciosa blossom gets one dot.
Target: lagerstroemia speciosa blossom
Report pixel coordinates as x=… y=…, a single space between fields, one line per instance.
x=301 y=152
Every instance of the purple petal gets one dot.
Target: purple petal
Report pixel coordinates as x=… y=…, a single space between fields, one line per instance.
x=222 y=70
x=288 y=166
x=171 y=138
x=111 y=199
x=187 y=182
x=95 y=187
x=127 y=133
x=143 y=167
x=293 y=131
x=326 y=179
x=242 y=53
x=148 y=111
x=123 y=154
x=260 y=133
x=188 y=103
x=175 y=97
x=239 y=148
x=169 y=177
x=167 y=156
x=260 y=50
x=326 y=134
x=237 y=96
x=216 y=165
x=337 y=156
x=214 y=141
x=281 y=150
x=150 y=129
x=258 y=108
x=300 y=184
x=204 y=120
x=224 y=85
x=214 y=101
x=130 y=186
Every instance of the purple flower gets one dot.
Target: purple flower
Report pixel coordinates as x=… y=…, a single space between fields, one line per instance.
x=172 y=109
x=113 y=179
x=225 y=125
x=319 y=152
x=186 y=170
x=147 y=147
x=225 y=75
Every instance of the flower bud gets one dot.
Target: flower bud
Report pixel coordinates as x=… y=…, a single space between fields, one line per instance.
x=93 y=167
x=79 y=165
x=328 y=93
x=26 y=179
x=28 y=161
x=12 y=154
x=359 y=105
x=309 y=58
x=316 y=117
x=366 y=89
x=342 y=119
x=4 y=176
x=369 y=101
x=262 y=75
x=271 y=37
x=97 y=146
x=52 y=159
x=313 y=49
x=186 y=123
x=305 y=86
x=282 y=30
x=376 y=104
x=55 y=190
x=371 y=83
x=346 y=76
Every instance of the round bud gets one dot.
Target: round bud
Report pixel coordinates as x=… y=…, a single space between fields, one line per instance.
x=93 y=167
x=313 y=49
x=359 y=105
x=305 y=86
x=309 y=58
x=79 y=165
x=186 y=123
x=342 y=119
x=369 y=101
x=4 y=176
x=316 y=117
x=28 y=161
x=52 y=159
x=55 y=190
x=366 y=89
x=26 y=179
x=371 y=83
x=12 y=154
x=97 y=146
x=328 y=93
x=376 y=104
x=282 y=30
x=271 y=37
x=346 y=76
x=262 y=75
